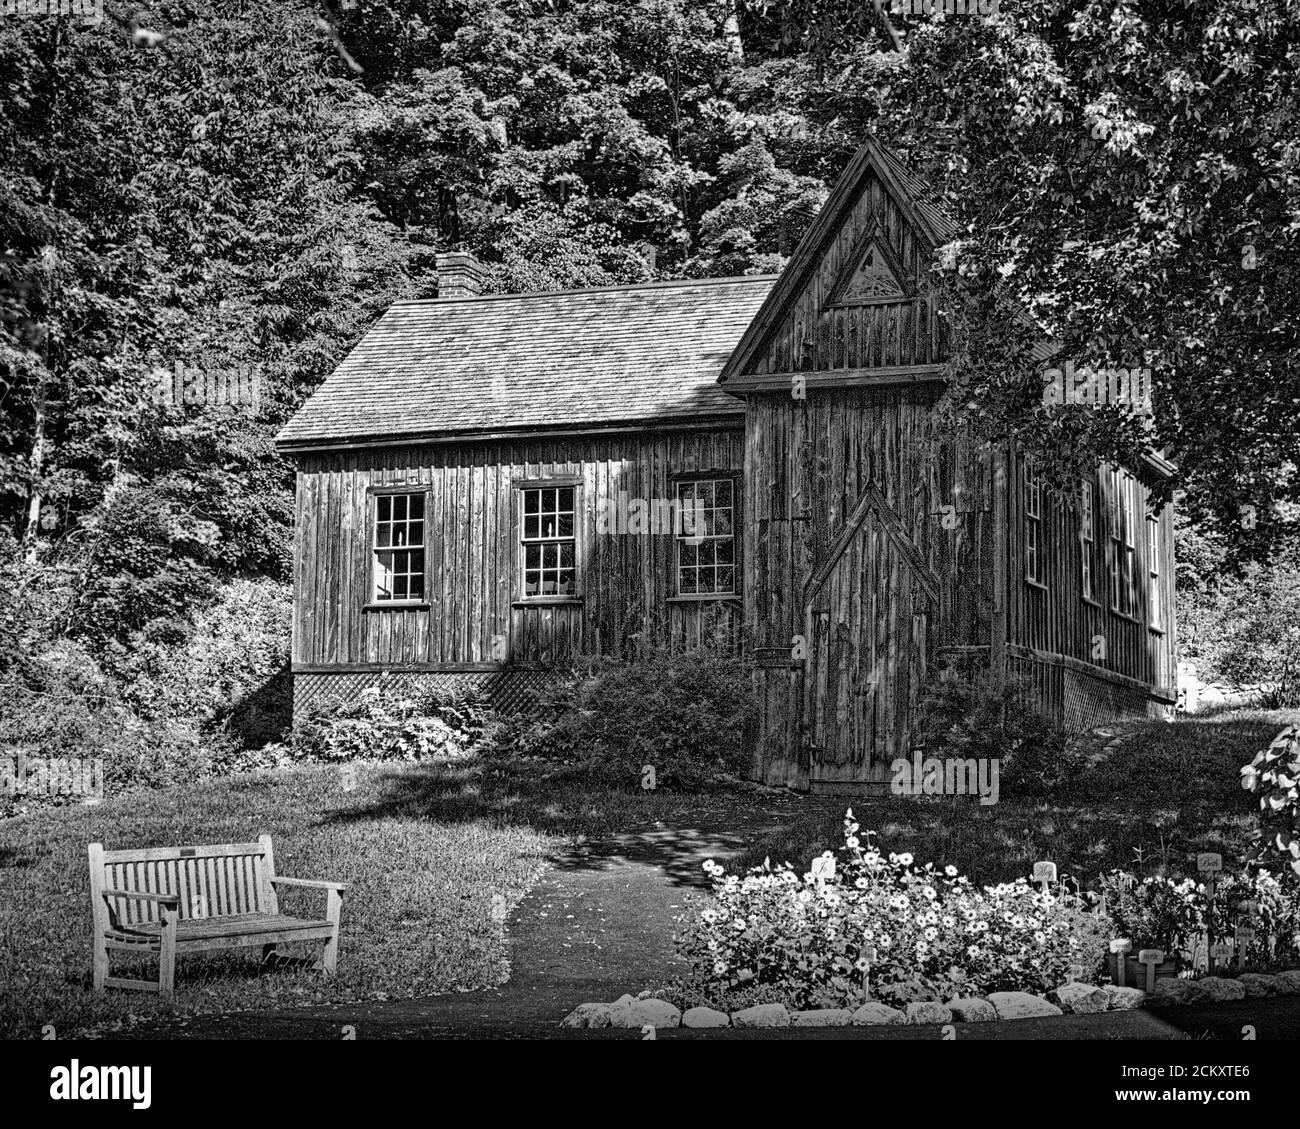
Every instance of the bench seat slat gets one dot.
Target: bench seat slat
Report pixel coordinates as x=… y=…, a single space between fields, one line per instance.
x=203 y=928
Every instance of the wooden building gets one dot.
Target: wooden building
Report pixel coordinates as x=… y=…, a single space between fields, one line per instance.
x=491 y=485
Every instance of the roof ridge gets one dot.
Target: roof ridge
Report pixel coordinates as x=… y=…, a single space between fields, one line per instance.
x=663 y=284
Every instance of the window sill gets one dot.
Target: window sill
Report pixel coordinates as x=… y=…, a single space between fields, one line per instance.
x=546 y=601
x=1124 y=616
x=705 y=597
x=1036 y=584
x=1090 y=602
x=1155 y=629
x=397 y=606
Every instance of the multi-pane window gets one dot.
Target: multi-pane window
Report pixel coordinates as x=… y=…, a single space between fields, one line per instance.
x=549 y=544
x=1153 y=572
x=1120 y=533
x=1033 y=526
x=399 y=547
x=706 y=537
x=1087 y=536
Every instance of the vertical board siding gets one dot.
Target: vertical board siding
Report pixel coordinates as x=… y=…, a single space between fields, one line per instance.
x=872 y=627
x=1057 y=620
x=472 y=544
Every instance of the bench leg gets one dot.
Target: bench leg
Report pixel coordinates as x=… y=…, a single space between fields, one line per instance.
x=333 y=912
x=167 y=953
x=268 y=953
x=99 y=969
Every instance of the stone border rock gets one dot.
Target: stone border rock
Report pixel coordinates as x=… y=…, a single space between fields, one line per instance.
x=1073 y=998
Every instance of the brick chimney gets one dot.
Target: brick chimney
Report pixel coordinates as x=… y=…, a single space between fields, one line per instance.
x=459 y=275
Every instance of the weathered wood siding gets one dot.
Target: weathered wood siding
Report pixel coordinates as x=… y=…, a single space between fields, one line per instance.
x=1086 y=661
x=808 y=336
x=874 y=628
x=626 y=580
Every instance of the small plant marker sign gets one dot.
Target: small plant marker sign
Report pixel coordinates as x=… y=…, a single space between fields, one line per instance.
x=1045 y=872
x=1151 y=958
x=1245 y=934
x=1220 y=952
x=868 y=955
x=823 y=867
x=1209 y=864
x=1120 y=947
x=1075 y=974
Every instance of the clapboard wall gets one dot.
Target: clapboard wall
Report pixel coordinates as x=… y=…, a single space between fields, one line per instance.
x=474 y=594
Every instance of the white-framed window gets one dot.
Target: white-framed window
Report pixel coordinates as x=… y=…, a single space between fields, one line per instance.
x=398 y=549
x=706 y=537
x=1033 y=525
x=1120 y=533
x=1087 y=538
x=1154 y=618
x=548 y=541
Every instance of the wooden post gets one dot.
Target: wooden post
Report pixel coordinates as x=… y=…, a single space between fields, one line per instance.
x=998 y=640
x=169 y=912
x=99 y=917
x=1209 y=864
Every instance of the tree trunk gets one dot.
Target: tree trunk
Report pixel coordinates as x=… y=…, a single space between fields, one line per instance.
x=37 y=462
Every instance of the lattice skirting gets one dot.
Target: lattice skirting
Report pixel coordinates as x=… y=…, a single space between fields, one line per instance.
x=1080 y=701
x=506 y=690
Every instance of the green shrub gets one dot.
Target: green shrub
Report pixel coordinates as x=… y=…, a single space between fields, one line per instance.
x=935 y=936
x=968 y=715
x=690 y=715
x=386 y=722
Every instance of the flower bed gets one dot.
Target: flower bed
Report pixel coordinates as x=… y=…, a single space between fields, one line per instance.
x=887 y=926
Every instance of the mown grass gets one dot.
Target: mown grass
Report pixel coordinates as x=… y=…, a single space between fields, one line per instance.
x=425 y=848
x=417 y=919
x=1168 y=791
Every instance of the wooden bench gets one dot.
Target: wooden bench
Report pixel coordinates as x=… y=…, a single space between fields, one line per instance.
x=170 y=900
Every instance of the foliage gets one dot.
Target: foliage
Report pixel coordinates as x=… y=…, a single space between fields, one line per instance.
x=386 y=722
x=1158 y=912
x=687 y=714
x=1274 y=776
x=970 y=715
x=935 y=935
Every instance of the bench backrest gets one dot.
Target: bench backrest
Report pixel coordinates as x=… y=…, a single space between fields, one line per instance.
x=218 y=880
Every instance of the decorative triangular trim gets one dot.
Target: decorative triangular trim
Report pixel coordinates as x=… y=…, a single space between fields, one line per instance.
x=807 y=255
x=872 y=274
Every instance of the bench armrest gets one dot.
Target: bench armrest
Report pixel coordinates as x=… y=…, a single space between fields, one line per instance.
x=312 y=883
x=172 y=900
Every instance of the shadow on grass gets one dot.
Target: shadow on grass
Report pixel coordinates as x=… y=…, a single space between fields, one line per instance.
x=603 y=827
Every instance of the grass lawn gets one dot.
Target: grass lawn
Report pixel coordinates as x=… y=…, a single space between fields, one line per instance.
x=426 y=848
x=1170 y=790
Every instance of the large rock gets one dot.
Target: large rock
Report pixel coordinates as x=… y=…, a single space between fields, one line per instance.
x=872 y=1014
x=927 y=1011
x=705 y=1017
x=972 y=1009
x=639 y=1013
x=1081 y=999
x=761 y=1015
x=1258 y=984
x=1288 y=983
x=1021 y=1005
x=1174 y=991
x=823 y=1017
x=1123 y=999
x=1219 y=988
x=587 y=1015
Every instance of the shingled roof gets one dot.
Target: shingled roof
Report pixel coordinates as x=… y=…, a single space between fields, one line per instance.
x=609 y=355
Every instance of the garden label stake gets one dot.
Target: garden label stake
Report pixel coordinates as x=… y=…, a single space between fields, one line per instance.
x=1245 y=934
x=1074 y=974
x=1209 y=864
x=823 y=867
x=1221 y=952
x=1151 y=958
x=1045 y=872
x=868 y=955
x=1120 y=948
